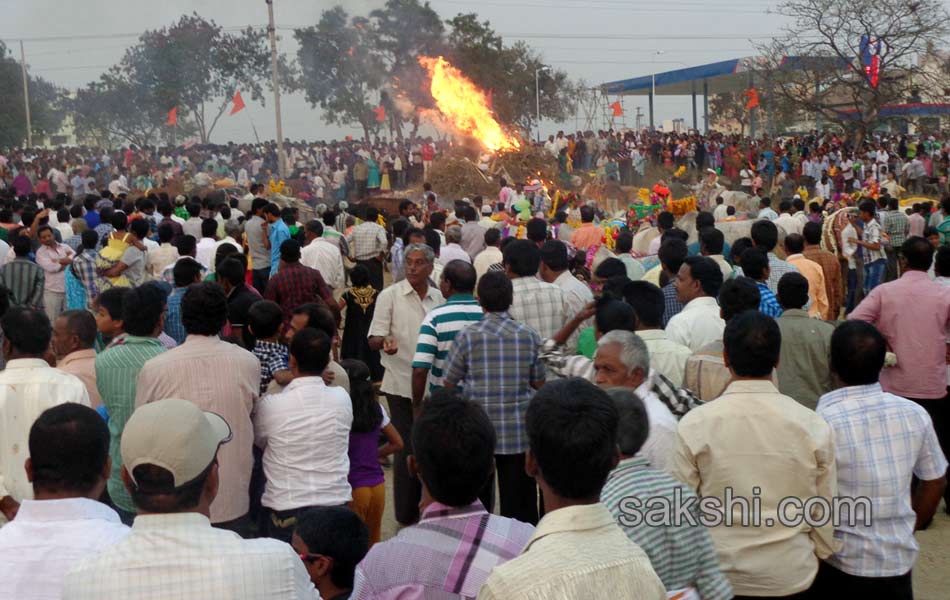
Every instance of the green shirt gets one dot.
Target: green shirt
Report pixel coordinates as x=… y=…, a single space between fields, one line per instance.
x=804 y=371
x=437 y=333
x=587 y=343
x=682 y=553
x=117 y=370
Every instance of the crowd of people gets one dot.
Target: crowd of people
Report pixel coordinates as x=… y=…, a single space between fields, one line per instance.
x=202 y=396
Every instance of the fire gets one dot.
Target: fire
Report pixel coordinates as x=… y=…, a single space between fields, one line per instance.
x=465 y=106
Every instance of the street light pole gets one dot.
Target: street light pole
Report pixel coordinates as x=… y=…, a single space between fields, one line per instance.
x=653 y=87
x=537 y=97
x=26 y=97
x=272 y=33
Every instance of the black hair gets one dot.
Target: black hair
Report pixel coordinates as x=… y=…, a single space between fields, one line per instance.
x=372 y=214
x=209 y=227
x=614 y=314
x=765 y=235
x=22 y=246
x=204 y=309
x=318 y=317
x=316 y=227
x=186 y=245
x=738 y=247
x=587 y=214
x=82 y=324
x=433 y=240
x=140 y=228
x=336 y=532
x=69 y=448
x=665 y=220
x=310 y=349
x=705 y=270
x=633 y=423
x=647 y=302
x=942 y=262
x=290 y=251
x=406 y=204
x=166 y=233
x=492 y=236
x=264 y=318
x=194 y=209
x=453 y=442
x=367 y=414
x=359 y=276
x=536 y=230
x=738 y=295
x=752 y=341
x=112 y=300
x=712 y=240
x=572 y=433
x=232 y=270
x=225 y=251
x=784 y=206
x=867 y=206
x=755 y=263
x=812 y=232
x=28 y=330
x=43 y=228
x=154 y=490
x=672 y=254
x=258 y=204
x=704 y=220
x=918 y=252
x=554 y=255
x=611 y=267
x=624 y=242
x=460 y=275
x=674 y=233
x=857 y=353
x=142 y=307
x=119 y=221
x=792 y=290
x=185 y=271
x=495 y=291
x=523 y=257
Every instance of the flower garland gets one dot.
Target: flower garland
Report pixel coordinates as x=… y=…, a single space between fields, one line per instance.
x=679 y=172
x=276 y=188
x=682 y=206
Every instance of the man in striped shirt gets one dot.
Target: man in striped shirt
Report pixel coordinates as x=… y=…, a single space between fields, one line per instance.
x=117 y=371
x=23 y=277
x=682 y=554
x=440 y=326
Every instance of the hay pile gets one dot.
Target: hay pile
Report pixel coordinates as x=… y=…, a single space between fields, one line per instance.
x=455 y=174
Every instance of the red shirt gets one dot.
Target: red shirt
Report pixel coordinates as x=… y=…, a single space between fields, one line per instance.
x=294 y=285
x=427 y=152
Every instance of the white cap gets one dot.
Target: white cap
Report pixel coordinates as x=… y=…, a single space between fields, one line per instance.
x=175 y=435
x=486 y=209
x=797 y=197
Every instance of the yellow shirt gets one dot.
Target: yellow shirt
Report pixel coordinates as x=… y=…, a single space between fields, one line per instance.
x=754 y=437
x=817 y=291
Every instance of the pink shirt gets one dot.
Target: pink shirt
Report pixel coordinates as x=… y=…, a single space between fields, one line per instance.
x=916 y=224
x=912 y=313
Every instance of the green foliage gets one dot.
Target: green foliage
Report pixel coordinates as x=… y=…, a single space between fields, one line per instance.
x=46 y=103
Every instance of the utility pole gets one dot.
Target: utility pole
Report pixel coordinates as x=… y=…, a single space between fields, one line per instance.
x=26 y=97
x=272 y=33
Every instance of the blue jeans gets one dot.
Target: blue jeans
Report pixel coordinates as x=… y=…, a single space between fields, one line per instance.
x=873 y=273
x=852 y=289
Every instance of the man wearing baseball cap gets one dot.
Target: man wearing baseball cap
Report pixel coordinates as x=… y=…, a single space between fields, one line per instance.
x=169 y=465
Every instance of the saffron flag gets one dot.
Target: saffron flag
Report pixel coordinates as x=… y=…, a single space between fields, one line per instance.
x=753 y=95
x=238 y=103
x=172 y=117
x=617 y=109
x=380 y=114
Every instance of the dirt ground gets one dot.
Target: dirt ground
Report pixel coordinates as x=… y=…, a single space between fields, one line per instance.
x=930 y=572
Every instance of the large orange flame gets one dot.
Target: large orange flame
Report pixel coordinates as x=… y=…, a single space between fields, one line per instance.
x=464 y=105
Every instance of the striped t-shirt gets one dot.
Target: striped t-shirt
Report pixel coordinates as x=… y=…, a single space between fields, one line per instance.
x=438 y=332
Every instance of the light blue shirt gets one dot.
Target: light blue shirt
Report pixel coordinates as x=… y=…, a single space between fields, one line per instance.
x=277 y=233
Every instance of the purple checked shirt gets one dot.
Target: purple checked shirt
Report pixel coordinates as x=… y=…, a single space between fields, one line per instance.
x=446 y=556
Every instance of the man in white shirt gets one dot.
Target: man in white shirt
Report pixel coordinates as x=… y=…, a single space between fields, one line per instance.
x=536 y=303
x=577 y=550
x=65 y=523
x=321 y=254
x=491 y=255
x=206 y=245
x=169 y=465
x=667 y=357
x=622 y=360
x=232 y=237
x=697 y=287
x=755 y=443
x=786 y=220
x=28 y=386
x=452 y=250
x=304 y=432
x=576 y=294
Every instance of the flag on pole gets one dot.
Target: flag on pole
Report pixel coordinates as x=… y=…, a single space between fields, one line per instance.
x=617 y=109
x=172 y=117
x=380 y=113
x=238 y=103
x=753 y=95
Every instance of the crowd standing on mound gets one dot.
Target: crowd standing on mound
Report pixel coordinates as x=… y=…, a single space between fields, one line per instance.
x=190 y=405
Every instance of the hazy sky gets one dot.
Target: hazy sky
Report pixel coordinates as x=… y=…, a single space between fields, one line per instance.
x=593 y=40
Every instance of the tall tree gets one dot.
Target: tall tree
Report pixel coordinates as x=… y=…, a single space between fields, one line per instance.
x=818 y=64
x=46 y=103
x=340 y=70
x=196 y=65
x=403 y=30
